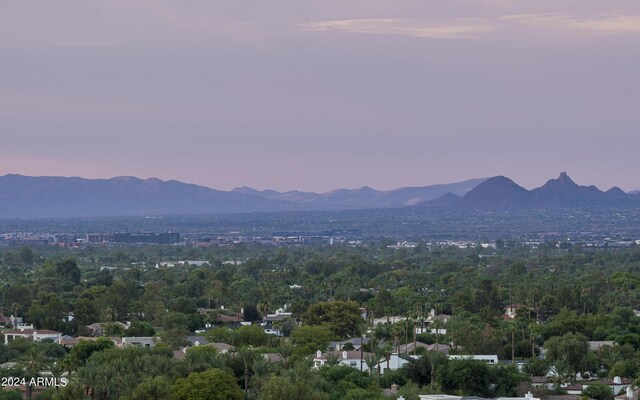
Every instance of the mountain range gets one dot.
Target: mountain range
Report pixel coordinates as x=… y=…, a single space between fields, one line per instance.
x=27 y=197
x=502 y=194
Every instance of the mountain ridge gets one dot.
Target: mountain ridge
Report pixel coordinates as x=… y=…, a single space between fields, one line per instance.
x=28 y=197
x=502 y=194
x=55 y=196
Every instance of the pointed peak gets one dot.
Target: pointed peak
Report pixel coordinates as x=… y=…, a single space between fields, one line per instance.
x=564 y=178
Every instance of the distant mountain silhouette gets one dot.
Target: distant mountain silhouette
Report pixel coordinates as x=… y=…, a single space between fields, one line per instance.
x=635 y=192
x=25 y=197
x=498 y=193
x=564 y=192
x=502 y=194
x=366 y=197
x=446 y=200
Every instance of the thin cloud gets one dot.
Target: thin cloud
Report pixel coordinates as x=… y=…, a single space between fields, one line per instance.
x=456 y=29
x=470 y=28
x=601 y=23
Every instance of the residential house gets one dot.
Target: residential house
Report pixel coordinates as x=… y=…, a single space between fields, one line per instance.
x=197 y=340
x=95 y=328
x=596 y=345
x=32 y=334
x=353 y=359
x=511 y=310
x=69 y=341
x=433 y=317
x=270 y=329
x=489 y=359
x=528 y=396
x=280 y=315
x=439 y=397
x=618 y=385
x=140 y=341
x=411 y=348
x=355 y=342
x=273 y=357
x=442 y=348
x=389 y=320
x=221 y=347
x=395 y=361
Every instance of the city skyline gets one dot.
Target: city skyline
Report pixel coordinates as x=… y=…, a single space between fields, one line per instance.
x=300 y=96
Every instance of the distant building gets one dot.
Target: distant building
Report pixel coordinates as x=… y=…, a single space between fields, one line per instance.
x=147 y=237
x=490 y=359
x=353 y=359
x=98 y=238
x=31 y=334
x=139 y=341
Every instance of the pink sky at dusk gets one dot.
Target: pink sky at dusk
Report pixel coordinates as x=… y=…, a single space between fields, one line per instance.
x=321 y=95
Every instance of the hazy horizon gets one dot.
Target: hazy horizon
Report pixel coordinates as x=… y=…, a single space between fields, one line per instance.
x=314 y=191
x=298 y=95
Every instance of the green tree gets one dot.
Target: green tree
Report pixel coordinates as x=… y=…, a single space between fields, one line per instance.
x=570 y=354
x=10 y=395
x=68 y=269
x=309 y=339
x=81 y=352
x=300 y=382
x=156 y=388
x=343 y=318
x=46 y=311
x=252 y=335
x=26 y=256
x=199 y=358
x=250 y=313
x=212 y=384
x=139 y=328
x=470 y=377
x=598 y=391
x=423 y=370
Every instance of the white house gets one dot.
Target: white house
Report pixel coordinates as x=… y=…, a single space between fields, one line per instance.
x=31 y=334
x=438 y=397
x=353 y=359
x=140 y=341
x=396 y=361
x=490 y=359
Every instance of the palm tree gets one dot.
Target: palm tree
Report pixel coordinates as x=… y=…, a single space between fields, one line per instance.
x=128 y=385
x=198 y=359
x=397 y=334
x=332 y=360
x=435 y=358
x=261 y=371
x=371 y=362
x=57 y=372
x=248 y=358
x=285 y=349
x=378 y=353
x=88 y=376
x=32 y=364
x=214 y=291
x=386 y=351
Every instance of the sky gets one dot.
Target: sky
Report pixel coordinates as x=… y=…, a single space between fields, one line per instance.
x=318 y=95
